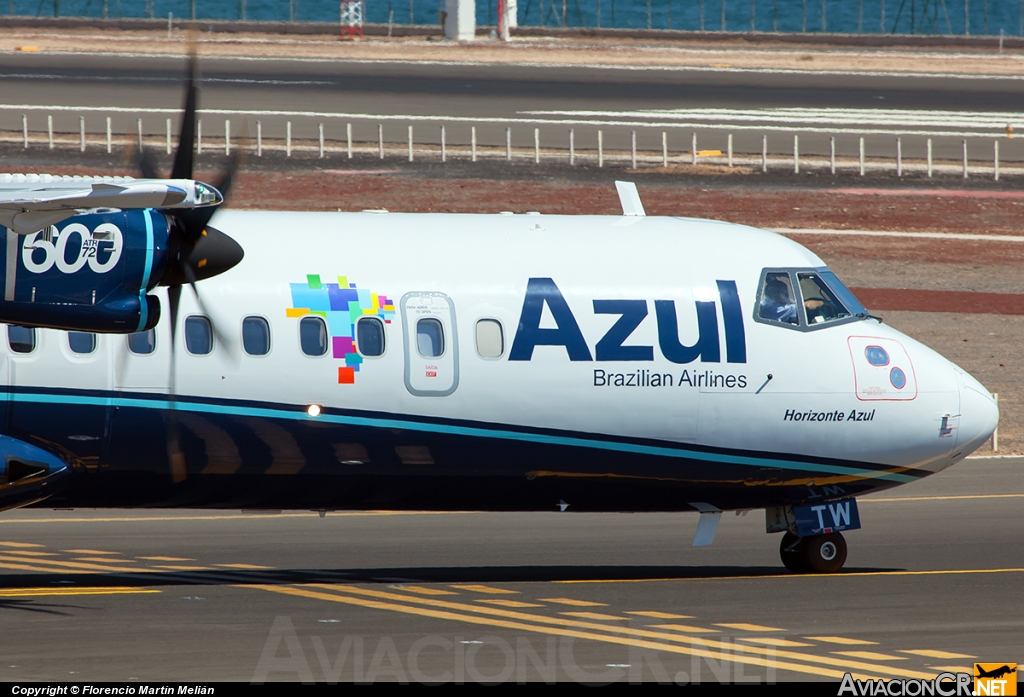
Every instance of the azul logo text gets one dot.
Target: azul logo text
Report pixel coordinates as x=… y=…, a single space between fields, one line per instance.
x=566 y=332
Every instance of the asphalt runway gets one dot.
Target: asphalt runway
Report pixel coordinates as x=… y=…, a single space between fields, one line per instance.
x=932 y=583
x=618 y=101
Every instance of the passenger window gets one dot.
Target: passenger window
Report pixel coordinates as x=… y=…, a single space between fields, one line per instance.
x=21 y=339
x=490 y=340
x=313 y=336
x=198 y=335
x=820 y=303
x=777 y=300
x=256 y=336
x=81 y=342
x=429 y=337
x=370 y=336
x=142 y=343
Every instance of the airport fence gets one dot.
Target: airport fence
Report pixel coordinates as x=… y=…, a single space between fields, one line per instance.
x=537 y=143
x=906 y=17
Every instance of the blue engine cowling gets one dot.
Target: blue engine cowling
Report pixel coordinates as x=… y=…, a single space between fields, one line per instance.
x=28 y=473
x=89 y=272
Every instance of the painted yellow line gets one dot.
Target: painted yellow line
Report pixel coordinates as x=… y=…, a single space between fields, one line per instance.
x=834 y=577
x=842 y=640
x=42 y=592
x=422 y=590
x=941 y=498
x=32 y=553
x=773 y=641
x=483 y=589
x=243 y=566
x=573 y=602
x=592 y=616
x=931 y=653
x=104 y=560
x=504 y=602
x=20 y=544
x=659 y=615
x=710 y=642
x=557 y=631
x=51 y=565
x=685 y=628
x=180 y=567
x=870 y=655
x=242 y=516
x=953 y=669
x=167 y=558
x=87 y=551
x=743 y=627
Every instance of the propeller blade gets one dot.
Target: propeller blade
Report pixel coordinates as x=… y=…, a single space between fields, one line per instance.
x=146 y=162
x=174 y=454
x=218 y=335
x=183 y=158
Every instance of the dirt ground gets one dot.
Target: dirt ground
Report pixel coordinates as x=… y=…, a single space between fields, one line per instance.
x=740 y=52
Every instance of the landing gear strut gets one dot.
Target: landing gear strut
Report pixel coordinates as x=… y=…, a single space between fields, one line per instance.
x=816 y=554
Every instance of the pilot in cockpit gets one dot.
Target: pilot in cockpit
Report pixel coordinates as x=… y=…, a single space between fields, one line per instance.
x=777 y=301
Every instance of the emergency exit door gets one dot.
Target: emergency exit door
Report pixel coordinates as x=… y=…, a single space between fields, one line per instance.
x=431 y=344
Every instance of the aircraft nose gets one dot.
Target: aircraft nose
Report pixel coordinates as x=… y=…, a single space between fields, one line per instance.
x=979 y=415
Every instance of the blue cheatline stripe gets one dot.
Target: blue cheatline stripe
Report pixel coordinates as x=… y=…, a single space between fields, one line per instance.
x=373 y=422
x=147 y=269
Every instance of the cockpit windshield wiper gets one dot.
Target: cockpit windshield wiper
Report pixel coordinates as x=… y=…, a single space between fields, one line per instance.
x=868 y=315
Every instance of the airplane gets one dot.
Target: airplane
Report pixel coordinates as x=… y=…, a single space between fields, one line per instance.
x=526 y=362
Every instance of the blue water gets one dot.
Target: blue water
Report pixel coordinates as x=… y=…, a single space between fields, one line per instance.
x=846 y=16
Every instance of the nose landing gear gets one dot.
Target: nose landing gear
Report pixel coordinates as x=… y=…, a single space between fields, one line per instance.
x=815 y=554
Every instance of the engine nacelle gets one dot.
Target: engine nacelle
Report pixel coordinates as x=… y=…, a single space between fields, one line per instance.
x=88 y=273
x=29 y=474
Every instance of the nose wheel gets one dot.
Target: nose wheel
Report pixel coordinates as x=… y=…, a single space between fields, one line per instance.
x=816 y=554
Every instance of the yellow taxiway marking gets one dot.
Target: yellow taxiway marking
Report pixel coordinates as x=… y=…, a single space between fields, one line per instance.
x=31 y=553
x=659 y=615
x=504 y=602
x=243 y=566
x=831 y=577
x=181 y=567
x=87 y=551
x=870 y=655
x=104 y=560
x=744 y=627
x=957 y=497
x=842 y=640
x=772 y=641
x=166 y=558
x=592 y=616
x=953 y=669
x=931 y=653
x=48 y=565
x=20 y=544
x=243 y=516
x=483 y=589
x=41 y=592
x=573 y=602
x=684 y=628
x=611 y=633
x=424 y=591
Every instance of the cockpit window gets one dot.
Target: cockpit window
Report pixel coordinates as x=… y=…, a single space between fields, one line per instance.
x=805 y=299
x=777 y=303
x=820 y=303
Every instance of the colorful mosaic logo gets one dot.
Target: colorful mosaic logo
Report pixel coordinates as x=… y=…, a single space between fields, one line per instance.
x=341 y=304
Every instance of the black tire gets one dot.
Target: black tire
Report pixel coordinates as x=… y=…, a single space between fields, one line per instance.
x=792 y=553
x=823 y=554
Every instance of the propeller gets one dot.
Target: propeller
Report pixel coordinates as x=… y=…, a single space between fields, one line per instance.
x=196 y=250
